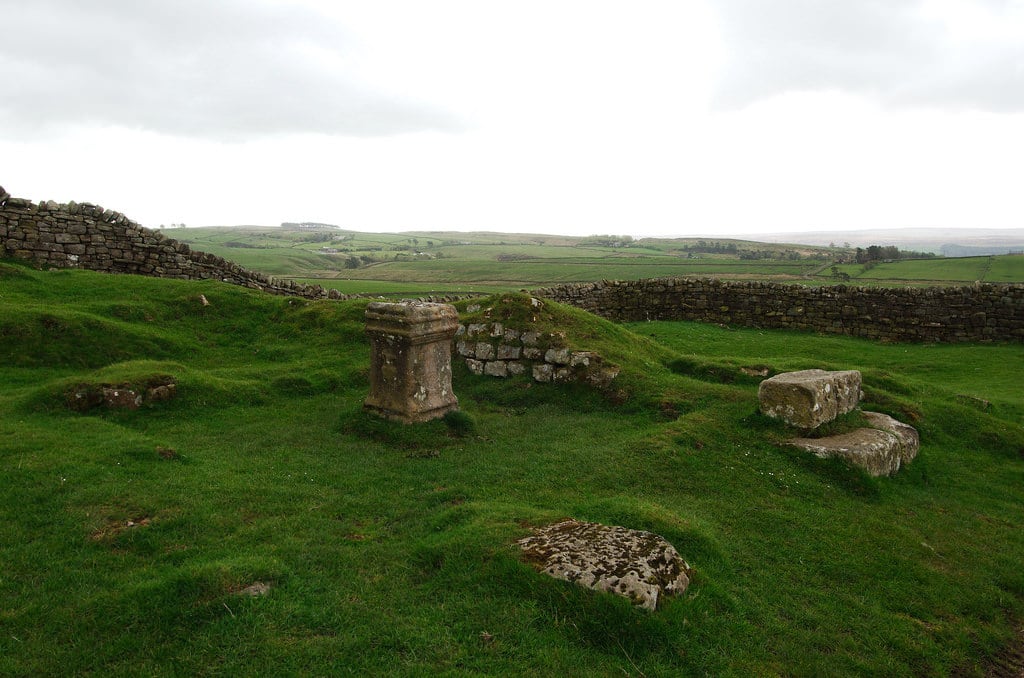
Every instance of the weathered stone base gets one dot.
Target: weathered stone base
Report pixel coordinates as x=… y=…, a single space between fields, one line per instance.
x=809 y=398
x=881 y=451
x=638 y=565
x=416 y=417
x=410 y=360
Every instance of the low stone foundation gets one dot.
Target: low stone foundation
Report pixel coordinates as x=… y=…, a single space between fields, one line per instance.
x=499 y=351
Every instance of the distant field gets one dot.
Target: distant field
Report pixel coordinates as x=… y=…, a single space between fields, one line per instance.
x=449 y=262
x=1006 y=269
x=543 y=272
x=957 y=271
x=391 y=288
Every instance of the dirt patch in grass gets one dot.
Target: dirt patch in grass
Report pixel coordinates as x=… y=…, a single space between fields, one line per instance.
x=113 y=528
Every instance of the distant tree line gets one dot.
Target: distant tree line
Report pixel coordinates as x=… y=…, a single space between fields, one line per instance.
x=606 y=241
x=876 y=253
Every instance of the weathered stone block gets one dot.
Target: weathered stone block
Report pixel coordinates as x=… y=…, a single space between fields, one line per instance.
x=484 y=351
x=809 y=398
x=557 y=356
x=582 y=358
x=506 y=352
x=543 y=372
x=532 y=353
x=881 y=449
x=530 y=338
x=638 y=565
x=410 y=360
x=563 y=375
x=496 y=368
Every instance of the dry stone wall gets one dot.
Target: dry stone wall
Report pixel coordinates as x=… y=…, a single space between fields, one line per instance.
x=83 y=235
x=980 y=312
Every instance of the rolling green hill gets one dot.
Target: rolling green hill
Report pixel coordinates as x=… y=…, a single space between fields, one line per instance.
x=455 y=262
x=259 y=523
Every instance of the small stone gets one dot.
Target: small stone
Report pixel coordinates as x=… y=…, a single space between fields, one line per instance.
x=121 y=398
x=496 y=368
x=583 y=358
x=506 y=352
x=257 y=588
x=484 y=351
x=543 y=372
x=475 y=366
x=557 y=356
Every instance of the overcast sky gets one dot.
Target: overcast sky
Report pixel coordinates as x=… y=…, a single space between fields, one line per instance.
x=681 y=117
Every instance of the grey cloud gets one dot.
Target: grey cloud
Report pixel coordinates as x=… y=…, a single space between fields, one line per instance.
x=229 y=69
x=886 y=49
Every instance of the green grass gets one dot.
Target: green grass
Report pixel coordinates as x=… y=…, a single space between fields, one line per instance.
x=963 y=270
x=127 y=538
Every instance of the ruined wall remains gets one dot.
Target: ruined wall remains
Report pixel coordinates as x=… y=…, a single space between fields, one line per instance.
x=497 y=350
x=83 y=235
x=980 y=312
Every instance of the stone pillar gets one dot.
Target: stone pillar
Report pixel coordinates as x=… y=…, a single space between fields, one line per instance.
x=410 y=360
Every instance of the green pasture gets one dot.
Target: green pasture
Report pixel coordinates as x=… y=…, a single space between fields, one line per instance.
x=941 y=271
x=131 y=540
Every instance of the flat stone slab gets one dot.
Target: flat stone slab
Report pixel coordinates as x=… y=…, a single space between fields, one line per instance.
x=809 y=398
x=881 y=450
x=634 y=564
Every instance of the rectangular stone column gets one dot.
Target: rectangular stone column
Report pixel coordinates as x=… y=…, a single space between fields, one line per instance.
x=410 y=360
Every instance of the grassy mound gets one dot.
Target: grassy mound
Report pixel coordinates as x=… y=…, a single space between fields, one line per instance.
x=261 y=523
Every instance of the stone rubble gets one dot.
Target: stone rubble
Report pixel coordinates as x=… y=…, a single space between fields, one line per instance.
x=810 y=398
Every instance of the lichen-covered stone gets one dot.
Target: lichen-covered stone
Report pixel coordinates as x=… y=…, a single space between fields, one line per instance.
x=543 y=373
x=507 y=352
x=557 y=356
x=638 y=565
x=880 y=449
x=496 y=368
x=809 y=398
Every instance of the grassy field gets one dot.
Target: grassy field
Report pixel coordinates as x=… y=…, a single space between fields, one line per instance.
x=393 y=264
x=128 y=538
x=964 y=270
